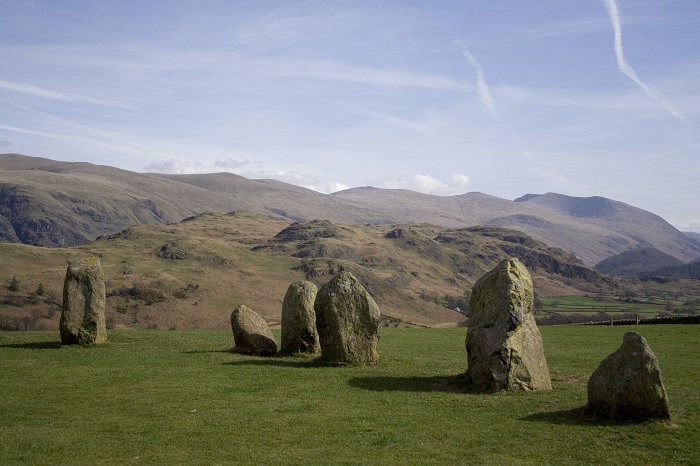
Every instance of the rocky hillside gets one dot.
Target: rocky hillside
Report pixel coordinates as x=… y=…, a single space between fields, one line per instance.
x=192 y=274
x=49 y=203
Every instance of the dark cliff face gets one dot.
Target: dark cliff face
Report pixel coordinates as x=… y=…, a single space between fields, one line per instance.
x=25 y=219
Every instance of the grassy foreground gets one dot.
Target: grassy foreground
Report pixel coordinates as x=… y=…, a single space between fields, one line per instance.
x=179 y=397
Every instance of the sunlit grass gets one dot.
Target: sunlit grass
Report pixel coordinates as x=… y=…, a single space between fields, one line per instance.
x=171 y=397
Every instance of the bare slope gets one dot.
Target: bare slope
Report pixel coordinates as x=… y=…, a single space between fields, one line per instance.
x=49 y=203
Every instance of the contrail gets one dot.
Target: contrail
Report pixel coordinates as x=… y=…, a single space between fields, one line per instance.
x=87 y=128
x=426 y=157
x=481 y=86
x=626 y=68
x=487 y=99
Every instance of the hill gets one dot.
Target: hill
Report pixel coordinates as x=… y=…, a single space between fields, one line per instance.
x=49 y=203
x=636 y=262
x=691 y=271
x=194 y=273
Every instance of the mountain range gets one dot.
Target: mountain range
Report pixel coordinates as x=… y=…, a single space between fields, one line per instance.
x=51 y=203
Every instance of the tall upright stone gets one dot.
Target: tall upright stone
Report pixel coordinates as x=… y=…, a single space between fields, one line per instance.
x=347 y=320
x=299 y=333
x=251 y=334
x=504 y=345
x=627 y=384
x=83 y=316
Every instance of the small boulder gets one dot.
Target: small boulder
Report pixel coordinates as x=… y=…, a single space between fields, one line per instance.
x=504 y=345
x=627 y=384
x=347 y=320
x=299 y=333
x=83 y=315
x=251 y=334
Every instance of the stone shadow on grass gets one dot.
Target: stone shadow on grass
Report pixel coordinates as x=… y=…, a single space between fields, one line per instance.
x=205 y=351
x=268 y=361
x=577 y=417
x=453 y=383
x=34 y=345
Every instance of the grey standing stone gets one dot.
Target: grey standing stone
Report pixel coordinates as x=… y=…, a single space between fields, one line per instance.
x=83 y=316
x=504 y=345
x=347 y=320
x=627 y=384
x=299 y=333
x=251 y=334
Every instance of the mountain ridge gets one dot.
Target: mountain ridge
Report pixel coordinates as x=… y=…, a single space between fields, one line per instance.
x=51 y=203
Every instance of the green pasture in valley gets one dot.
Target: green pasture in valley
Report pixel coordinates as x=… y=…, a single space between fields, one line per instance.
x=180 y=397
x=644 y=307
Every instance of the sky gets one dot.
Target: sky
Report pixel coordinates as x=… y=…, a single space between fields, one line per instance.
x=504 y=97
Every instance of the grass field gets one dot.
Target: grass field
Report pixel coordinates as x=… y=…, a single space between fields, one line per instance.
x=646 y=308
x=179 y=397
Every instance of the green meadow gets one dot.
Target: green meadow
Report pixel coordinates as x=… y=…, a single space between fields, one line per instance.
x=645 y=308
x=180 y=397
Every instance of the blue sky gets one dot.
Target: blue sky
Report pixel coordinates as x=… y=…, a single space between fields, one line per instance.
x=579 y=97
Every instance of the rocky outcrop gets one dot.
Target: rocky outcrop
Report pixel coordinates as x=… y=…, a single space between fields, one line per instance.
x=504 y=345
x=83 y=316
x=251 y=334
x=304 y=231
x=347 y=320
x=299 y=333
x=627 y=384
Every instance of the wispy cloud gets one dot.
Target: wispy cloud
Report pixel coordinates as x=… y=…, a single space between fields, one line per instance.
x=148 y=61
x=626 y=68
x=67 y=97
x=107 y=134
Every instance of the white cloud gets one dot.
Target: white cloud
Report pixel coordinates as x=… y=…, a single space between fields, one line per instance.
x=428 y=185
x=692 y=224
x=337 y=186
x=178 y=167
x=235 y=165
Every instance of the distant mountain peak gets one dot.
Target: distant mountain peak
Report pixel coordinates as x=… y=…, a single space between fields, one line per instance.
x=526 y=197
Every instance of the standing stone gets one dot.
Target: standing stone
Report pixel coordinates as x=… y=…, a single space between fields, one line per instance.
x=251 y=334
x=299 y=333
x=504 y=346
x=83 y=316
x=347 y=320
x=627 y=384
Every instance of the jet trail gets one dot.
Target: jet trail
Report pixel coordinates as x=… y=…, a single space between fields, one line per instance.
x=626 y=68
x=426 y=157
x=482 y=86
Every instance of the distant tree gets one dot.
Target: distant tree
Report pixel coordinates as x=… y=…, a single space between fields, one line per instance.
x=14 y=285
x=40 y=290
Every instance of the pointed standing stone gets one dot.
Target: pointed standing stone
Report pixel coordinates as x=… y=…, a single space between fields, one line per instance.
x=251 y=334
x=347 y=320
x=83 y=316
x=504 y=345
x=627 y=384
x=299 y=333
